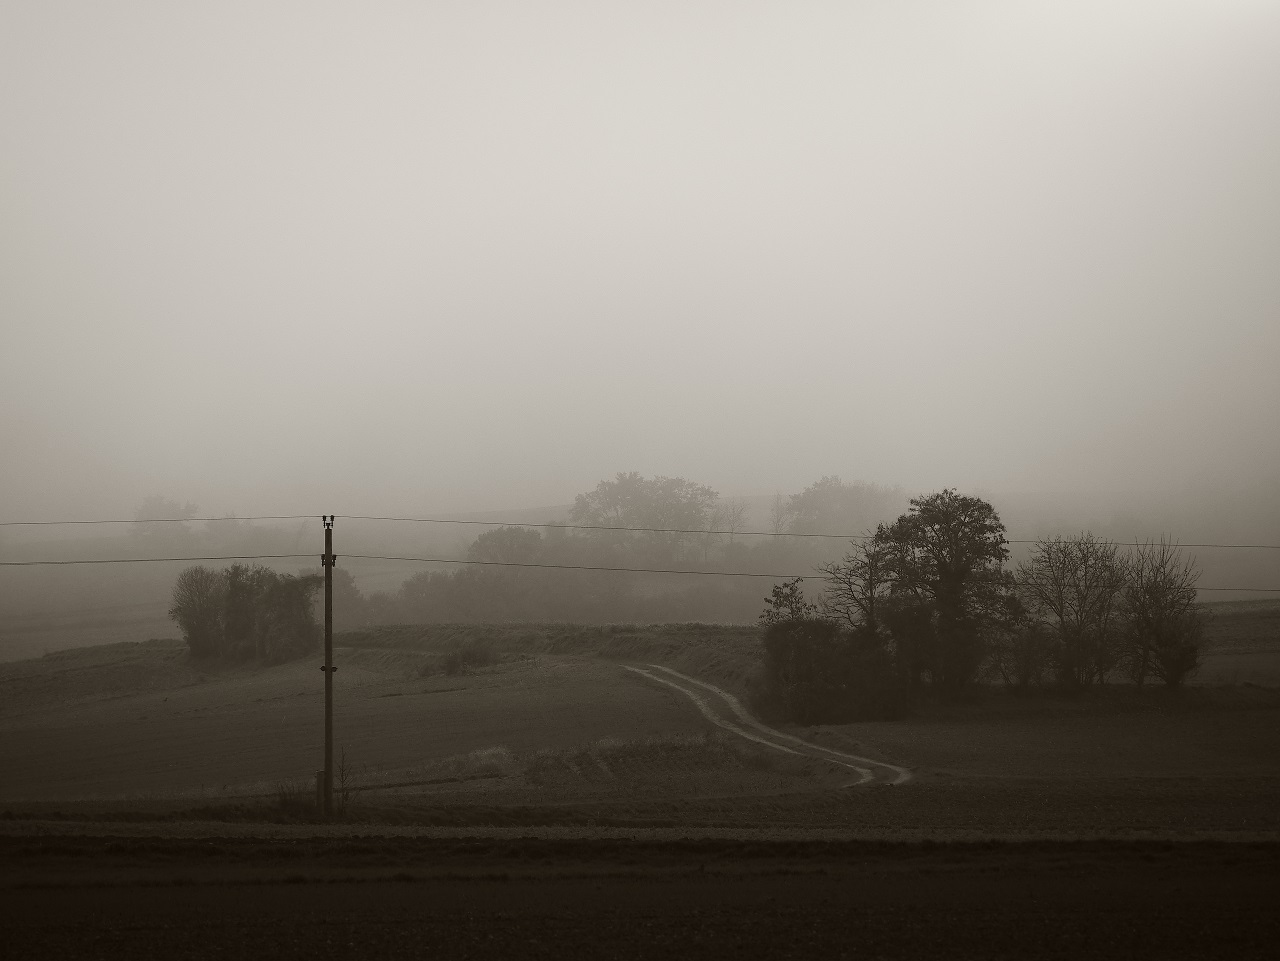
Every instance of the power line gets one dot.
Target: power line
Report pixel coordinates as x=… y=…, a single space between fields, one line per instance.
x=161 y=520
x=554 y=526
x=571 y=567
x=153 y=560
x=687 y=530
x=590 y=527
x=455 y=560
x=662 y=570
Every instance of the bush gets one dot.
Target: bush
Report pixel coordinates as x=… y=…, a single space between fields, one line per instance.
x=199 y=608
x=246 y=612
x=468 y=656
x=1020 y=655
x=814 y=672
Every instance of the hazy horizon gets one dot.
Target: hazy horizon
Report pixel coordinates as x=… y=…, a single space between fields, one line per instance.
x=450 y=258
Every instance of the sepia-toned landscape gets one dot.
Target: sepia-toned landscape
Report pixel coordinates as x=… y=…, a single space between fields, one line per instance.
x=701 y=479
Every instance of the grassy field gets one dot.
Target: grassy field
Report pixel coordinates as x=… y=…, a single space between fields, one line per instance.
x=725 y=654
x=1242 y=643
x=541 y=728
x=1232 y=626
x=27 y=635
x=142 y=720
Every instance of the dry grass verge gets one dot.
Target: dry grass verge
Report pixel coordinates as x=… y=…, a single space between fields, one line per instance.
x=723 y=654
x=613 y=760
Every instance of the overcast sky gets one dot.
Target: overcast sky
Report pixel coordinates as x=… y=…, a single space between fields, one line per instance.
x=453 y=256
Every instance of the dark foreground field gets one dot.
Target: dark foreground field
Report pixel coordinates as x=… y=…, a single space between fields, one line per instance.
x=482 y=898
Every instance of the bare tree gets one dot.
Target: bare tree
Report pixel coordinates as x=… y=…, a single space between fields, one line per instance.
x=779 y=514
x=856 y=584
x=1165 y=625
x=1076 y=584
x=1020 y=652
x=734 y=513
x=726 y=517
x=714 y=524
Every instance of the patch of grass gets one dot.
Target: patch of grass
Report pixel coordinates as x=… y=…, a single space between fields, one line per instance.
x=295 y=799
x=462 y=656
x=724 y=654
x=489 y=762
x=345 y=788
x=610 y=759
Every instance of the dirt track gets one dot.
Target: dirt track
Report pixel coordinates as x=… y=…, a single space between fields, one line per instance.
x=721 y=702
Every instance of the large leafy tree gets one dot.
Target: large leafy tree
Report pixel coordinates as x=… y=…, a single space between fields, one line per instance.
x=162 y=523
x=507 y=545
x=244 y=612
x=945 y=556
x=830 y=506
x=635 y=501
x=503 y=593
x=350 y=606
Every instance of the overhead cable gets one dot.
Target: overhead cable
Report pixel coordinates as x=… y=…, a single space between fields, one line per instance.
x=688 y=530
x=456 y=560
x=161 y=520
x=555 y=526
x=155 y=560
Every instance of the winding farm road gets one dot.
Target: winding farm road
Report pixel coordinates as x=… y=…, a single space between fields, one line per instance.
x=725 y=711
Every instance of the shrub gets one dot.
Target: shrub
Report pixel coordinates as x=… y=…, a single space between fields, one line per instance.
x=815 y=672
x=787 y=604
x=469 y=655
x=199 y=608
x=246 y=612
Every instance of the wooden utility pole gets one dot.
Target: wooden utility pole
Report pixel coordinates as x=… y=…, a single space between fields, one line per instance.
x=327 y=562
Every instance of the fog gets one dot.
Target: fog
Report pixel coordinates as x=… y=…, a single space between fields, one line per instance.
x=305 y=258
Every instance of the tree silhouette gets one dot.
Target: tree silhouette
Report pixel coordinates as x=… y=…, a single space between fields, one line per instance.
x=947 y=553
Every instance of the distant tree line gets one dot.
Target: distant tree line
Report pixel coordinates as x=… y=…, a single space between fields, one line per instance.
x=630 y=521
x=246 y=612
x=923 y=602
x=928 y=602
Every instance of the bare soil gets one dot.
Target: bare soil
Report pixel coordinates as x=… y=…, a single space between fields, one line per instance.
x=592 y=899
